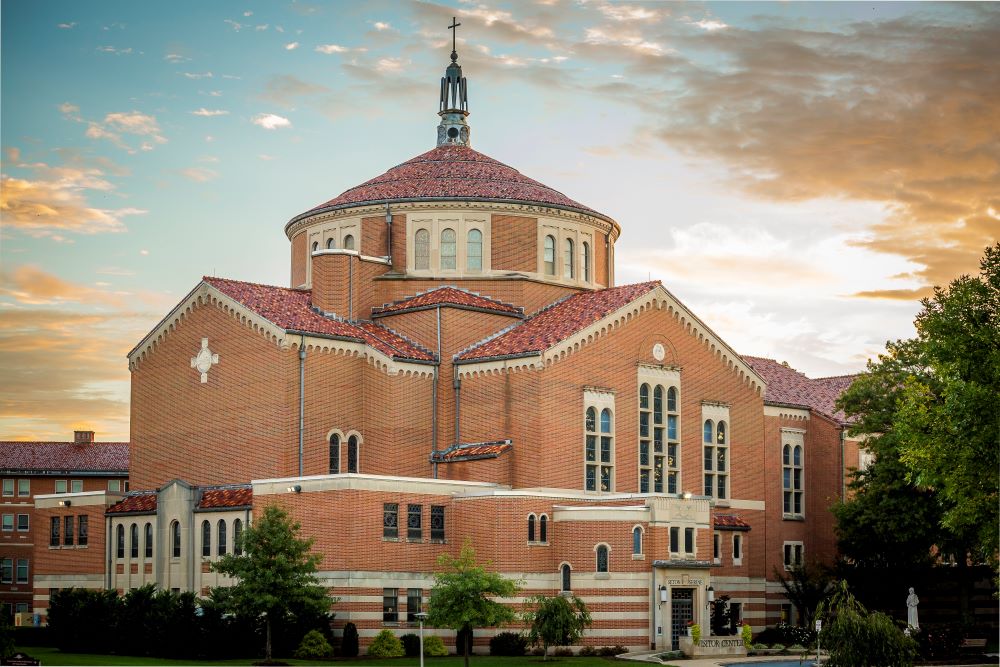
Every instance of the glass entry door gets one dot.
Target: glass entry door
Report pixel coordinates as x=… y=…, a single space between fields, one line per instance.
x=681 y=611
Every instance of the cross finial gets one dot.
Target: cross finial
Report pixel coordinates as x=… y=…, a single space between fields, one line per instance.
x=454 y=34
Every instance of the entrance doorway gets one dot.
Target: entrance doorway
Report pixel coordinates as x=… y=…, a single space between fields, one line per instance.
x=681 y=611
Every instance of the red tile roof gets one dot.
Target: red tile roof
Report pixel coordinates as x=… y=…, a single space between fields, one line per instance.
x=451 y=173
x=240 y=496
x=472 y=451
x=292 y=310
x=790 y=387
x=137 y=502
x=556 y=322
x=730 y=522
x=446 y=296
x=38 y=457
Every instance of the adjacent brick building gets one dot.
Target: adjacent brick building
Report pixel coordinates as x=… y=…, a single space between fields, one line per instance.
x=453 y=361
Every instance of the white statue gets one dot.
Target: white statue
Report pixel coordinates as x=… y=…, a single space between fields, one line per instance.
x=911 y=610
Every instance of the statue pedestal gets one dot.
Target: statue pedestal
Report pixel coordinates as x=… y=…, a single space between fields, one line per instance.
x=708 y=647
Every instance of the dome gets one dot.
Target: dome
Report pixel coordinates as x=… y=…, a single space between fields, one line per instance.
x=451 y=173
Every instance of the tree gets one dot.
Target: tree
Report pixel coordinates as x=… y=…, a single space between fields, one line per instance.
x=805 y=587
x=275 y=573
x=856 y=638
x=462 y=597
x=556 y=621
x=929 y=406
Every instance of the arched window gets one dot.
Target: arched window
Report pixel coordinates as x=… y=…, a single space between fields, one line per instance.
x=531 y=527
x=222 y=537
x=549 y=256
x=637 y=540
x=206 y=539
x=238 y=537
x=673 y=442
x=148 y=546
x=566 y=577
x=120 y=536
x=602 y=558
x=586 y=262
x=474 y=251
x=331 y=243
x=543 y=529
x=709 y=431
x=568 y=259
x=607 y=450
x=133 y=540
x=645 y=439
x=349 y=242
x=175 y=539
x=721 y=434
x=449 y=250
x=672 y=399
x=716 y=463
x=791 y=480
x=590 y=450
x=315 y=246
x=352 y=454
x=422 y=250
x=334 y=454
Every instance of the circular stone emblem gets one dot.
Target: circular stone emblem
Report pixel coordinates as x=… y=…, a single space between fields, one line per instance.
x=659 y=352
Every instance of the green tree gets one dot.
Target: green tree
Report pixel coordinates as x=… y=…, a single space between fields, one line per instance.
x=275 y=575
x=805 y=587
x=462 y=597
x=556 y=621
x=855 y=638
x=929 y=406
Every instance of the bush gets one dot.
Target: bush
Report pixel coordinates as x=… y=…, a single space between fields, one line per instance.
x=508 y=644
x=349 y=645
x=434 y=646
x=411 y=645
x=563 y=652
x=587 y=651
x=386 y=645
x=747 y=633
x=314 y=646
x=939 y=642
x=538 y=650
x=32 y=636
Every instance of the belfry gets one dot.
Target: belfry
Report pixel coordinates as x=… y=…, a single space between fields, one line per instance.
x=453 y=360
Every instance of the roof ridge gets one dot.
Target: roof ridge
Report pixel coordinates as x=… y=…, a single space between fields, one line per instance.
x=516 y=324
x=396 y=333
x=247 y=282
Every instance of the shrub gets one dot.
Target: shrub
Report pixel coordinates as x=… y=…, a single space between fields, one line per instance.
x=411 y=645
x=314 y=646
x=508 y=644
x=386 y=645
x=349 y=645
x=563 y=652
x=747 y=636
x=434 y=646
x=587 y=651
x=618 y=649
x=939 y=642
x=607 y=651
x=778 y=647
x=695 y=633
x=538 y=650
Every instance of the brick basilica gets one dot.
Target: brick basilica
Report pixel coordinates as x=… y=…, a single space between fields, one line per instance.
x=454 y=360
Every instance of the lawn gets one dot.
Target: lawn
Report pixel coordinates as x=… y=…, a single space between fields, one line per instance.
x=51 y=656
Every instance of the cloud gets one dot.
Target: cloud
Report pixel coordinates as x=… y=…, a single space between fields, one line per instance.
x=176 y=58
x=235 y=25
x=67 y=26
x=270 y=121
x=287 y=90
x=380 y=26
x=68 y=109
x=196 y=75
x=331 y=48
x=115 y=50
x=55 y=201
x=391 y=65
x=709 y=24
x=291 y=46
x=644 y=13
x=125 y=122
x=208 y=113
x=199 y=174
x=30 y=285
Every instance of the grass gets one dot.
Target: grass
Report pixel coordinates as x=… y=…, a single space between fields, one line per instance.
x=51 y=656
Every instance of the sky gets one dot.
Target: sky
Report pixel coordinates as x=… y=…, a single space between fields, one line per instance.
x=798 y=174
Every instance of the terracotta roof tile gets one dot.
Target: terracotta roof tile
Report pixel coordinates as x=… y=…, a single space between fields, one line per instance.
x=451 y=173
x=446 y=295
x=64 y=456
x=291 y=309
x=730 y=522
x=556 y=322
x=136 y=502
x=789 y=386
x=240 y=496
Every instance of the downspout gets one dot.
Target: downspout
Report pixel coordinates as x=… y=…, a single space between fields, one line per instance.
x=388 y=236
x=434 y=394
x=457 y=384
x=350 y=288
x=302 y=397
x=843 y=480
x=107 y=553
x=607 y=260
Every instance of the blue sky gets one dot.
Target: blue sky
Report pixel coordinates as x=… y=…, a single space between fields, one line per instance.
x=798 y=173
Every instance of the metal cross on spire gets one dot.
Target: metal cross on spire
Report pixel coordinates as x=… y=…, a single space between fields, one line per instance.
x=454 y=35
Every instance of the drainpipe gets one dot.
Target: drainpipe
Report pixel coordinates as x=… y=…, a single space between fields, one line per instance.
x=302 y=397
x=607 y=259
x=388 y=236
x=843 y=482
x=350 y=287
x=457 y=384
x=108 y=578
x=434 y=394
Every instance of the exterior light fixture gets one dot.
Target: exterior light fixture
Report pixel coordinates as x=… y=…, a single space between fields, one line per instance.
x=687 y=495
x=711 y=594
x=65 y=503
x=421 y=616
x=295 y=489
x=663 y=594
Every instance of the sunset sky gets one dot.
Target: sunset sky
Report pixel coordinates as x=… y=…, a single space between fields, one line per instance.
x=798 y=174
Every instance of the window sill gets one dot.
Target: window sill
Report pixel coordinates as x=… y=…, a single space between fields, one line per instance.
x=415 y=540
x=793 y=517
x=737 y=562
x=716 y=561
x=390 y=539
x=723 y=502
x=638 y=556
x=537 y=543
x=602 y=575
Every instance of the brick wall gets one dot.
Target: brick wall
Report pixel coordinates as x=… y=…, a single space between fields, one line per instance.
x=514 y=243
x=300 y=259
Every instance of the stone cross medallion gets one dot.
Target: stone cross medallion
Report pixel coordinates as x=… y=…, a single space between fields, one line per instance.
x=204 y=360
